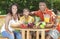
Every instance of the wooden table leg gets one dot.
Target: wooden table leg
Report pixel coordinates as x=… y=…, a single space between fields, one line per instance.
x=23 y=34
x=37 y=34
x=43 y=34
x=28 y=34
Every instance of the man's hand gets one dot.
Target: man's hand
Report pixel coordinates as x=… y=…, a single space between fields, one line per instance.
x=32 y=12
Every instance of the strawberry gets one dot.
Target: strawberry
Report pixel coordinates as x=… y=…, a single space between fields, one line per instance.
x=23 y=26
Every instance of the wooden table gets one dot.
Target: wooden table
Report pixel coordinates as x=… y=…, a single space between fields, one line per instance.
x=37 y=32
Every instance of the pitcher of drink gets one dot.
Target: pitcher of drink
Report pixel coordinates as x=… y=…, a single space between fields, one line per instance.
x=46 y=18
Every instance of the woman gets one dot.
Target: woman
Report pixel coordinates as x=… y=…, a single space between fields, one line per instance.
x=11 y=18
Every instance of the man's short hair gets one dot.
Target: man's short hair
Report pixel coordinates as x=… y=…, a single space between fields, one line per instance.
x=42 y=2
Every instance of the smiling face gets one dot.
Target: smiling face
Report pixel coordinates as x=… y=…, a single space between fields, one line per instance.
x=42 y=6
x=26 y=12
x=14 y=9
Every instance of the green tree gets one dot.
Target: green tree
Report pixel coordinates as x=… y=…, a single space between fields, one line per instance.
x=30 y=4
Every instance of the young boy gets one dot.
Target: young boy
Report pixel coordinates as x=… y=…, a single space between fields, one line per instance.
x=26 y=18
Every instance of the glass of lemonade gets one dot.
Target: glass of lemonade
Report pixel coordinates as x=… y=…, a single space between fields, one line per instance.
x=46 y=18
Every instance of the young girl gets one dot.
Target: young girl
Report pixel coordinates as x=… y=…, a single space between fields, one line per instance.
x=11 y=18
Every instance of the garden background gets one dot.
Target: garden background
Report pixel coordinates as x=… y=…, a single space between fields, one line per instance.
x=31 y=4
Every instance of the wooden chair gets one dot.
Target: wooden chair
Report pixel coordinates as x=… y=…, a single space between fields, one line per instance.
x=2 y=20
x=3 y=38
x=59 y=38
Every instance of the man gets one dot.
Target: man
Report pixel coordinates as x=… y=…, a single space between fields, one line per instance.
x=44 y=10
